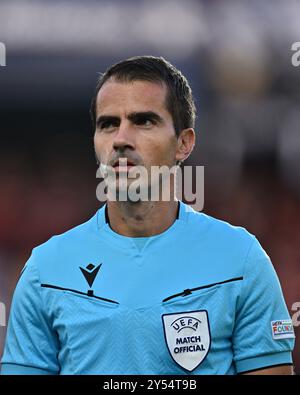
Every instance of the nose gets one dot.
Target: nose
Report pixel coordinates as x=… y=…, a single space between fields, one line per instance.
x=124 y=138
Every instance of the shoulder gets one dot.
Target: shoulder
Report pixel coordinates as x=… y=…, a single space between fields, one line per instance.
x=61 y=248
x=225 y=247
x=73 y=235
x=221 y=232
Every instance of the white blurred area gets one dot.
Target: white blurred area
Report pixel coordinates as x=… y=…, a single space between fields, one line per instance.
x=172 y=26
x=175 y=26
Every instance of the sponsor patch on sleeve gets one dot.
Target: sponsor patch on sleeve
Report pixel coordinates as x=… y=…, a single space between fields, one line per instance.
x=282 y=329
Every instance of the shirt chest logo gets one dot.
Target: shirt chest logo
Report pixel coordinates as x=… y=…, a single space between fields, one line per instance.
x=90 y=273
x=188 y=337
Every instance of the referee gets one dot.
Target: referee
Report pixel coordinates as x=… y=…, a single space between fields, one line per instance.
x=148 y=287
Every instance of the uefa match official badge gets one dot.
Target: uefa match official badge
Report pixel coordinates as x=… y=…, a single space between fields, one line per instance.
x=188 y=337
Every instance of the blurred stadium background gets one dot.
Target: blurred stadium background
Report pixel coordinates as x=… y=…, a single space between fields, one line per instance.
x=237 y=56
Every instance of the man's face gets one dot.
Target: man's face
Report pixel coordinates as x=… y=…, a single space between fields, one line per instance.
x=132 y=122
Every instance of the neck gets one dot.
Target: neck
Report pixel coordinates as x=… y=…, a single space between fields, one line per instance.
x=141 y=219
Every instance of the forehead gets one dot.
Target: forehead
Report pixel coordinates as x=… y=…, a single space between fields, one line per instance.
x=132 y=96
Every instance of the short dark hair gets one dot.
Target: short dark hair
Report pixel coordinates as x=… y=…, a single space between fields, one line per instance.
x=179 y=100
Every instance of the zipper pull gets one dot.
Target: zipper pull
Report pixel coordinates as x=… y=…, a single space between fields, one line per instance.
x=187 y=292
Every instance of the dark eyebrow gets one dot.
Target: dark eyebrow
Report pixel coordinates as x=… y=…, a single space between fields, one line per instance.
x=136 y=116
x=106 y=118
x=133 y=117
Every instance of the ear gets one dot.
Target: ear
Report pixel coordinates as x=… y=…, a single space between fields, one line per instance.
x=185 y=144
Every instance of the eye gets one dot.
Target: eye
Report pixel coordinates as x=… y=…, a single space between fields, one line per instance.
x=107 y=125
x=147 y=122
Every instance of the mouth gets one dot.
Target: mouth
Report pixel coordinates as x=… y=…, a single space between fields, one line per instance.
x=122 y=165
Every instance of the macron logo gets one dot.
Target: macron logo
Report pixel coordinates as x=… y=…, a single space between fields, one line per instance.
x=90 y=273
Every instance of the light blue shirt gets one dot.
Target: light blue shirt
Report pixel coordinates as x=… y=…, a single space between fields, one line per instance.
x=200 y=298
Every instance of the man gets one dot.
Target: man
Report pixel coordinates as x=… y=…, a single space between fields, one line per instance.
x=148 y=287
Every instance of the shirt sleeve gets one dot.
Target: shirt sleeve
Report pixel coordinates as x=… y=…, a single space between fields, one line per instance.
x=263 y=333
x=31 y=345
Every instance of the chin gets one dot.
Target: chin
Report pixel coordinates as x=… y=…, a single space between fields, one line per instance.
x=130 y=191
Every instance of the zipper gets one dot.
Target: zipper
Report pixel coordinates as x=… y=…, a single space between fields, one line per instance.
x=188 y=291
x=89 y=293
